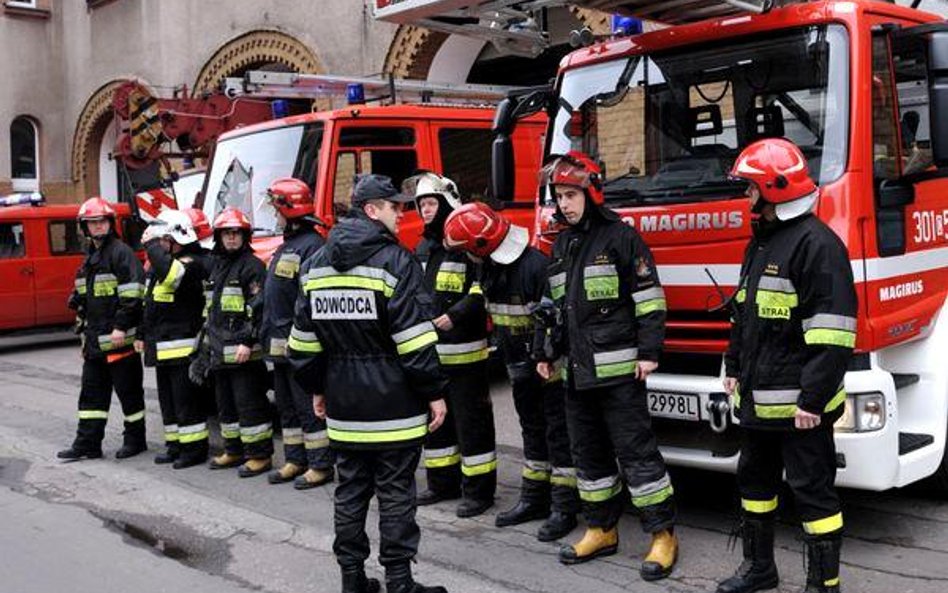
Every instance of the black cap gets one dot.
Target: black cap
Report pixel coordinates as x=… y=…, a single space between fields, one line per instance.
x=369 y=186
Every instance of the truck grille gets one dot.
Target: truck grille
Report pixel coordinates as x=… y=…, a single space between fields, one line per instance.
x=697 y=331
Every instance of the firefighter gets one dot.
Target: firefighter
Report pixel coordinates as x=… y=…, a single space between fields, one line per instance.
x=513 y=280
x=174 y=306
x=612 y=307
x=459 y=458
x=363 y=343
x=235 y=355
x=792 y=336
x=108 y=302
x=308 y=462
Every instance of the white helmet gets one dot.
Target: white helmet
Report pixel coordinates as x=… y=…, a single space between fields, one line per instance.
x=432 y=184
x=174 y=224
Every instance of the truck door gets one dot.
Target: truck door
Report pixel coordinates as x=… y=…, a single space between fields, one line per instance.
x=906 y=284
x=17 y=300
x=368 y=147
x=55 y=266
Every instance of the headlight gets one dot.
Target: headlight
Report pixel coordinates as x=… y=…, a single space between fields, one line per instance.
x=863 y=412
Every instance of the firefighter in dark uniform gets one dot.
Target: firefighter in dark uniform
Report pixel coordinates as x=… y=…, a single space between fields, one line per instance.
x=204 y=388
x=174 y=307
x=513 y=281
x=364 y=344
x=792 y=337
x=236 y=358
x=604 y=281
x=308 y=461
x=108 y=302
x=460 y=457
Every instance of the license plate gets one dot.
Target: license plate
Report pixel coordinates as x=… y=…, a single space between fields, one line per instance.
x=673 y=405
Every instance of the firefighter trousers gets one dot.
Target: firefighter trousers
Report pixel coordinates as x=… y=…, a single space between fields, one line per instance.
x=389 y=474
x=612 y=423
x=809 y=458
x=305 y=442
x=99 y=377
x=182 y=412
x=548 y=474
x=564 y=495
x=244 y=410
x=460 y=456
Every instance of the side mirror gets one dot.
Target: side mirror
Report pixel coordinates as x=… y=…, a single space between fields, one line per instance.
x=938 y=95
x=502 y=168
x=895 y=194
x=504 y=116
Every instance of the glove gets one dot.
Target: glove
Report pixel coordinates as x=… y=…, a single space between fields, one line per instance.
x=547 y=341
x=200 y=365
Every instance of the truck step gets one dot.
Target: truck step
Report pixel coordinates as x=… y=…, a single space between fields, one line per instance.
x=911 y=441
x=904 y=380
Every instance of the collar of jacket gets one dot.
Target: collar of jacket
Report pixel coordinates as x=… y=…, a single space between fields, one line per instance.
x=355 y=238
x=764 y=229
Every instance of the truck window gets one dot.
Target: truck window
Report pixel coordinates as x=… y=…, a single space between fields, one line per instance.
x=909 y=63
x=383 y=151
x=12 y=241
x=667 y=127
x=244 y=167
x=885 y=133
x=65 y=238
x=465 y=159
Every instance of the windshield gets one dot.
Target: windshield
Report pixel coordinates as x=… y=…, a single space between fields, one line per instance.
x=667 y=128
x=244 y=167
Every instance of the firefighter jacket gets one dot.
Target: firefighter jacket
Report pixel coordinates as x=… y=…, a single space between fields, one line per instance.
x=236 y=306
x=512 y=291
x=108 y=295
x=363 y=337
x=282 y=287
x=795 y=324
x=604 y=281
x=174 y=304
x=451 y=278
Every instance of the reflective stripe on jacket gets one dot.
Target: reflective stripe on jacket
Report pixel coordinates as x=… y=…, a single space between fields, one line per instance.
x=791 y=343
x=604 y=281
x=363 y=336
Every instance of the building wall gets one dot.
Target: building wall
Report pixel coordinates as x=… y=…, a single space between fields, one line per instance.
x=62 y=60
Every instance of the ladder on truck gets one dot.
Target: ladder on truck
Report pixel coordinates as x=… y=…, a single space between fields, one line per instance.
x=262 y=84
x=518 y=26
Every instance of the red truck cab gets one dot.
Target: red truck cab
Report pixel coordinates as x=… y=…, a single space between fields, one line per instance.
x=327 y=149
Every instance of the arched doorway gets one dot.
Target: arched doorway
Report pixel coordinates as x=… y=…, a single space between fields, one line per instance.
x=93 y=172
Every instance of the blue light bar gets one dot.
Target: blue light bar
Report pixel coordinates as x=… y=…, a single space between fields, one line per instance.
x=623 y=26
x=279 y=108
x=355 y=93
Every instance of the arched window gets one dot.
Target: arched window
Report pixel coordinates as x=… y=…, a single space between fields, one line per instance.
x=24 y=154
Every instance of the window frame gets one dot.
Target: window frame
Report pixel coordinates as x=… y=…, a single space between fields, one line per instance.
x=26 y=184
x=49 y=237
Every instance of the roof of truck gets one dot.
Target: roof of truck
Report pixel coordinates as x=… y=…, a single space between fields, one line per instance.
x=421 y=111
x=49 y=211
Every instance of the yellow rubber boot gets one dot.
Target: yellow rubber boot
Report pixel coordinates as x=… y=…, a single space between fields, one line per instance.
x=225 y=460
x=254 y=467
x=284 y=474
x=596 y=542
x=661 y=557
x=313 y=478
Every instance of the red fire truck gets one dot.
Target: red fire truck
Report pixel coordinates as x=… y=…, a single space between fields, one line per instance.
x=327 y=148
x=859 y=86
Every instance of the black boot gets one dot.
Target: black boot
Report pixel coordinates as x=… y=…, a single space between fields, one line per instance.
x=398 y=579
x=428 y=497
x=822 y=570
x=169 y=455
x=472 y=507
x=75 y=453
x=757 y=572
x=521 y=513
x=130 y=450
x=557 y=525
x=355 y=581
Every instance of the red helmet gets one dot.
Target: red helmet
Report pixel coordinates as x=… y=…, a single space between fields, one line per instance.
x=779 y=170
x=199 y=221
x=577 y=169
x=291 y=197
x=96 y=207
x=232 y=218
x=480 y=231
